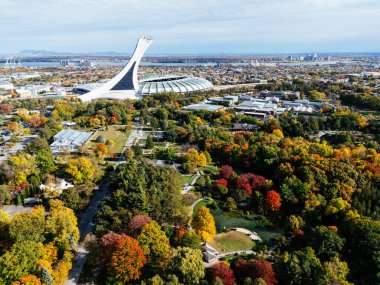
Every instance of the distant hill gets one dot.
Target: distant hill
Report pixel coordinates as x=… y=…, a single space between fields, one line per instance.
x=48 y=52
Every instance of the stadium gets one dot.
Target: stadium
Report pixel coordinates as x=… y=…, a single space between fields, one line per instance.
x=125 y=85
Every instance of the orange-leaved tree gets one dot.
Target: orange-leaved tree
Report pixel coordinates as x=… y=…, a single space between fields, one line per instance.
x=127 y=259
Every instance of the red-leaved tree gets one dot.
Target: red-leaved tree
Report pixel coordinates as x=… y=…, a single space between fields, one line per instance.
x=251 y=182
x=226 y=172
x=263 y=269
x=138 y=222
x=223 y=272
x=222 y=182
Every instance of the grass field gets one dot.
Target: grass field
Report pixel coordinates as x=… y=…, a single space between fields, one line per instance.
x=187 y=178
x=201 y=203
x=119 y=137
x=232 y=241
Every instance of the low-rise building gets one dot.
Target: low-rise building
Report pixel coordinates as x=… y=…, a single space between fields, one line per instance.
x=69 y=140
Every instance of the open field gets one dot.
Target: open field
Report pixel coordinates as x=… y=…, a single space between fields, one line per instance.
x=114 y=133
x=232 y=241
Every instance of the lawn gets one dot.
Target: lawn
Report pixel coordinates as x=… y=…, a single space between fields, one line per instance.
x=232 y=241
x=187 y=178
x=114 y=133
x=201 y=203
x=209 y=169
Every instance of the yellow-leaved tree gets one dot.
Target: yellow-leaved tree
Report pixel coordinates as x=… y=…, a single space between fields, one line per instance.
x=204 y=224
x=62 y=225
x=80 y=169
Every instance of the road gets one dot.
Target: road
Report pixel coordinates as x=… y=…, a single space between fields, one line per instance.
x=86 y=226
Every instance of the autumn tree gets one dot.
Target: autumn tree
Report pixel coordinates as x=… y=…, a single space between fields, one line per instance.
x=138 y=222
x=204 y=224
x=62 y=225
x=154 y=242
x=223 y=272
x=226 y=172
x=28 y=226
x=108 y=243
x=127 y=260
x=192 y=240
x=28 y=280
x=273 y=201
x=187 y=264
x=101 y=149
x=19 y=167
x=20 y=261
x=80 y=169
x=13 y=127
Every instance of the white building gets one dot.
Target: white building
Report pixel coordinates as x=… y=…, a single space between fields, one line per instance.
x=69 y=140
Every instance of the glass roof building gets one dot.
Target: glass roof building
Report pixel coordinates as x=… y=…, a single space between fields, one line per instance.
x=69 y=140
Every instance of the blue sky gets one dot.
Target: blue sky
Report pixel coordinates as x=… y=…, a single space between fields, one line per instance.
x=192 y=26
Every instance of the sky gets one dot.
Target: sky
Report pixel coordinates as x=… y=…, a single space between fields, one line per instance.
x=191 y=27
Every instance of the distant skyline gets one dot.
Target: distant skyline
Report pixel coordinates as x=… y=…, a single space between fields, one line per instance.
x=191 y=27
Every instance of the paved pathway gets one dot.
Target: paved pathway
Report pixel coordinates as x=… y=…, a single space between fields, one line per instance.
x=251 y=234
x=86 y=226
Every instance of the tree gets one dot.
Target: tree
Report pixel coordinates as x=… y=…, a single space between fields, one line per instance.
x=273 y=201
x=28 y=280
x=336 y=271
x=204 y=224
x=80 y=169
x=223 y=272
x=13 y=127
x=226 y=172
x=101 y=149
x=192 y=240
x=127 y=260
x=187 y=264
x=154 y=242
x=28 y=226
x=45 y=276
x=302 y=267
x=326 y=242
x=19 y=166
x=5 y=220
x=5 y=108
x=20 y=261
x=71 y=198
x=108 y=243
x=149 y=142
x=138 y=222
x=263 y=269
x=45 y=160
x=61 y=224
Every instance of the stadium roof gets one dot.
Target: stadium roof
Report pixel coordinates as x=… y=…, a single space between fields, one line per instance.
x=178 y=84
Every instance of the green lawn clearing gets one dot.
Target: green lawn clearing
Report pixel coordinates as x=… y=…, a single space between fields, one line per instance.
x=115 y=133
x=232 y=241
